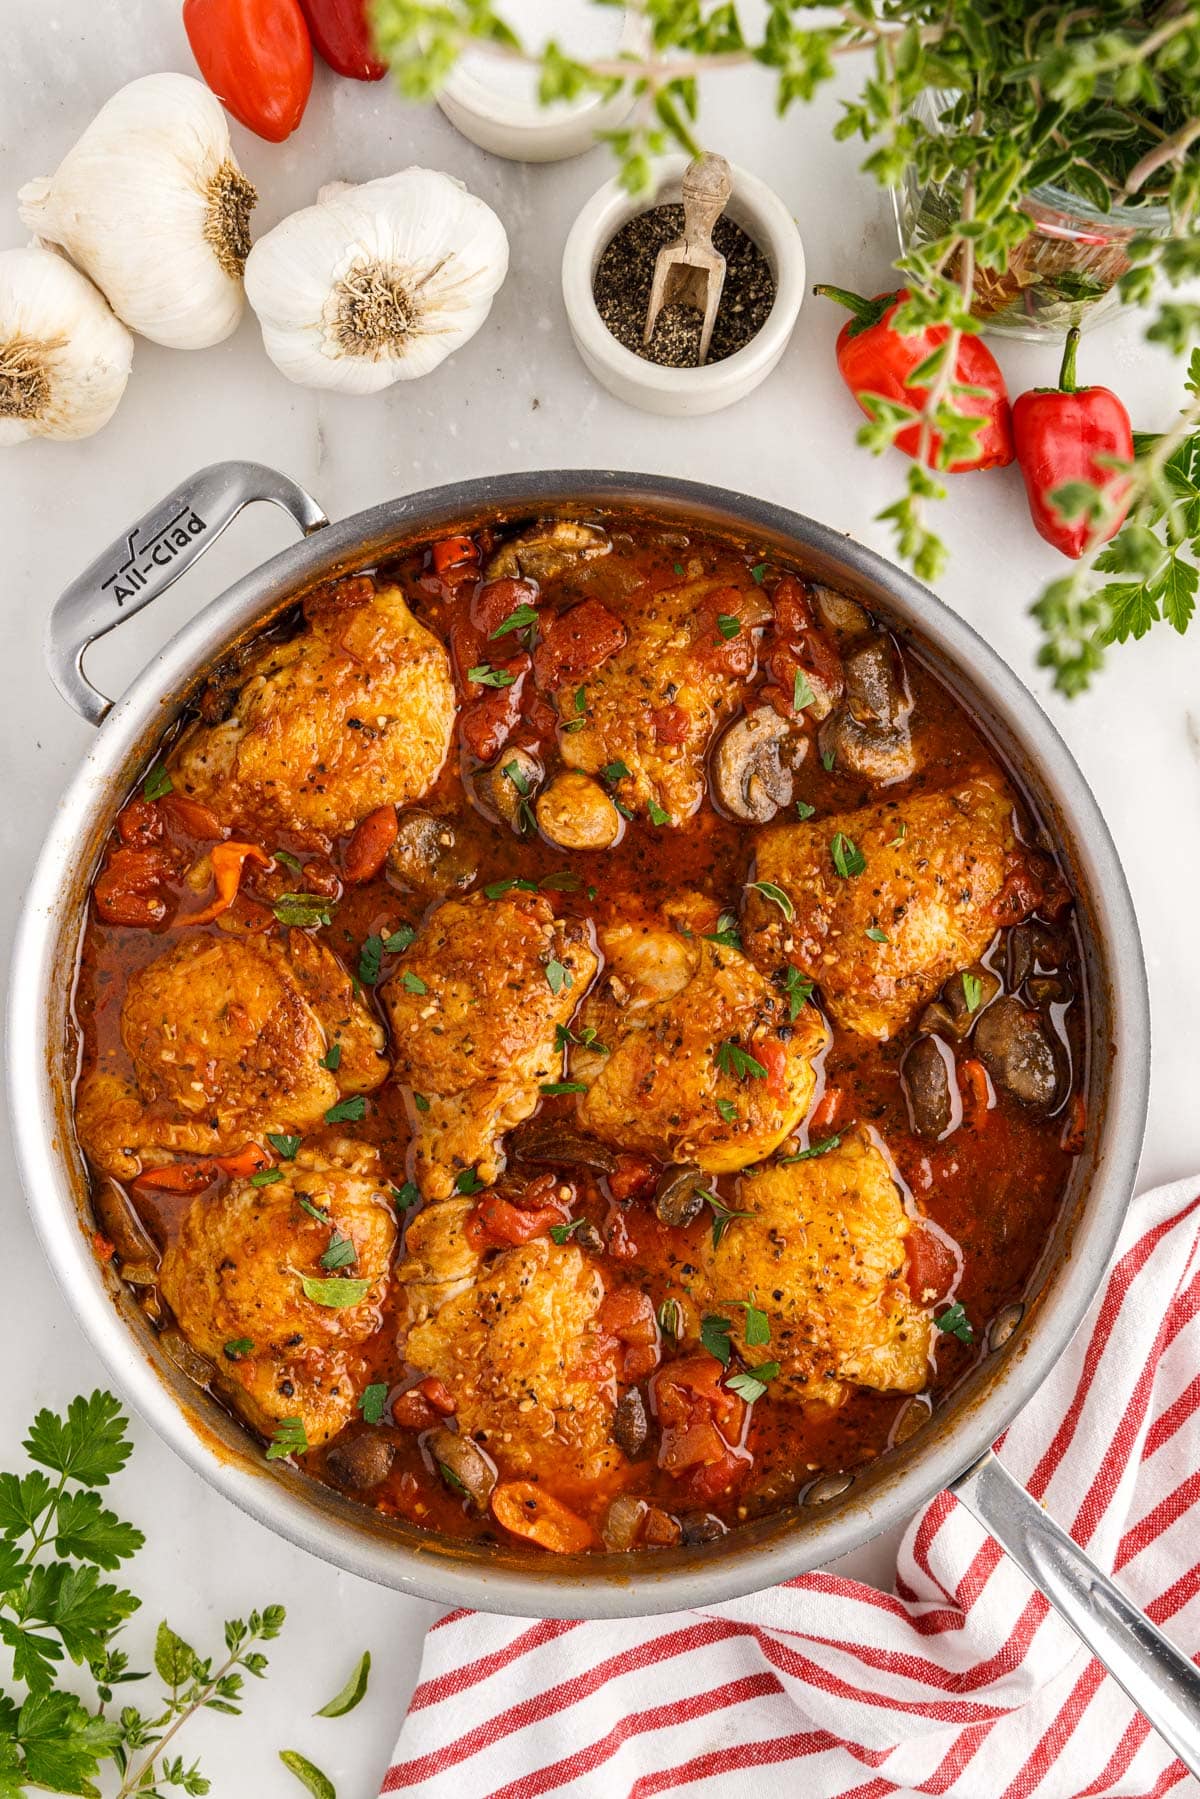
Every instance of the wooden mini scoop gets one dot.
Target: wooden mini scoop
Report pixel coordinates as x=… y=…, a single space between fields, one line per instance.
x=690 y=272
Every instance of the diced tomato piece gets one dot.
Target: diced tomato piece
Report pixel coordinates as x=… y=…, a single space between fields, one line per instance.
x=700 y=1421
x=495 y=1221
x=670 y=723
x=825 y=1111
x=346 y=595
x=931 y=1265
x=792 y=607
x=496 y=601
x=134 y=909
x=452 y=550
x=373 y=837
x=432 y=1389
x=193 y=817
x=634 y=1177
x=1020 y=894
x=103 y=1247
x=773 y=1056
x=711 y=1479
x=524 y=1509
x=576 y=642
x=412 y=1411
x=466 y=650
x=659 y=1529
x=486 y=723
x=139 y=823
x=127 y=891
x=252 y=1158
x=629 y=1316
x=538 y=713
x=733 y=656
x=531 y=1196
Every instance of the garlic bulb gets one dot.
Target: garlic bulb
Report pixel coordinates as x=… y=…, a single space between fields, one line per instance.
x=151 y=203
x=64 y=358
x=376 y=283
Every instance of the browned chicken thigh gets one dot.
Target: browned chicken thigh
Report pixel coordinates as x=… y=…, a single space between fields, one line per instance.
x=248 y=1288
x=473 y=1013
x=354 y=712
x=227 y=1038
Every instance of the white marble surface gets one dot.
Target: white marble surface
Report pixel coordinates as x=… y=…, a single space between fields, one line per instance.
x=515 y=398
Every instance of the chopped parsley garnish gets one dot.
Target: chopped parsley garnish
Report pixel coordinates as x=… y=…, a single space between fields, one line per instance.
x=876 y=935
x=728 y=624
x=370 y=960
x=814 y=1149
x=955 y=1323
x=487 y=676
x=517 y=620
x=799 y=992
x=901 y=834
x=157 y=783
x=670 y=1319
x=577 y=723
x=777 y=897
x=314 y=1211
x=265 y=1176
x=714 y=1334
x=558 y=975
x=564 y=880
x=828 y=758
x=288 y=860
x=237 y=1347
x=622 y=808
x=727 y=1109
x=758 y=1325
x=398 y=941
x=283 y=1146
x=420 y=1102
x=723 y=1216
x=848 y=859
x=334 y=1293
x=727 y=932
x=678 y=567
x=468 y=1182
x=340 y=1254
x=972 y=991
x=758 y=572
x=371 y=1401
x=564 y=1037
x=512 y=771
x=561 y=1232
x=552 y=1089
x=347 y=1111
x=802 y=693
x=614 y=771
x=497 y=889
x=413 y=982
x=733 y=1059
x=407 y=1196
x=303 y=910
x=290 y=1438
x=658 y=814
x=451 y=1479
x=753 y=1383
x=526 y=818
x=804 y=810
x=332 y=1059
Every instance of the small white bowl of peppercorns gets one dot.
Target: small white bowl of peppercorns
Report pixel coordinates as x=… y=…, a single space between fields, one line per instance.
x=608 y=268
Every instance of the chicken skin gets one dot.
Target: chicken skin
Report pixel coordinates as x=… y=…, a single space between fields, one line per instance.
x=932 y=890
x=355 y=712
x=473 y=1013
x=822 y=1254
x=227 y=1038
x=523 y=1355
x=652 y=709
x=234 y=1280
x=703 y=1063
x=440 y=1260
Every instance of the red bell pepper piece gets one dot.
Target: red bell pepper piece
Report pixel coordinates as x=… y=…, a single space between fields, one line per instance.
x=874 y=358
x=1068 y=433
x=256 y=56
x=342 y=35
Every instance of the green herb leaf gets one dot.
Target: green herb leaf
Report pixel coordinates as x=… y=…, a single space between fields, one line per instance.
x=734 y=1060
x=955 y=1323
x=777 y=897
x=714 y=1334
x=972 y=988
x=340 y=1254
x=89 y=1445
x=562 y=1232
x=335 y=1293
x=848 y=859
x=828 y=758
x=332 y=1059
x=370 y=960
x=615 y=771
x=497 y=889
x=290 y=1438
x=552 y=1089
x=518 y=620
x=420 y=1102
x=875 y=934
x=452 y=1481
x=413 y=982
x=468 y=1182
x=727 y=932
x=282 y=1145
x=804 y=810
x=371 y=1403
x=486 y=676
x=512 y=772
x=802 y=693
x=728 y=625
x=558 y=975
x=308 y=1774
x=670 y=1319
x=266 y=1177
x=288 y=860
x=753 y=1383
x=799 y=990
x=727 y=1110
x=174 y=1660
x=814 y=1149
x=758 y=572
x=722 y=1217
x=758 y=1325
x=397 y=941
x=355 y=1689
x=156 y=784
x=238 y=1347
x=303 y=911
x=658 y=814
x=901 y=834
x=564 y=880
x=407 y=1196
x=347 y=1111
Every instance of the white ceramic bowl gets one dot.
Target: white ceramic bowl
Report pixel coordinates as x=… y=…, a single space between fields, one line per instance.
x=681 y=393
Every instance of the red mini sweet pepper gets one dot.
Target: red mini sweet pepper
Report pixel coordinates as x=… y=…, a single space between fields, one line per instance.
x=1065 y=434
x=342 y=34
x=256 y=56
x=876 y=359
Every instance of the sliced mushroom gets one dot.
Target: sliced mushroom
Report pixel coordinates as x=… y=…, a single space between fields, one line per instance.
x=551 y=1144
x=576 y=813
x=1013 y=1045
x=701 y=1527
x=361 y=1462
x=1032 y=946
x=429 y=856
x=547 y=550
x=868 y=735
x=188 y=1360
x=927 y=1073
x=840 y=612
x=623 y=1522
x=124 y=1229
x=631 y=1426
x=876 y=688
x=950 y=1013
x=1049 y=990
x=679 y=1196
x=500 y=789
x=881 y=754
x=752 y=765
x=462 y=1465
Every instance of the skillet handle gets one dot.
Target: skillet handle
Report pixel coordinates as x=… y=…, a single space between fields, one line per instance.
x=1159 y=1678
x=153 y=553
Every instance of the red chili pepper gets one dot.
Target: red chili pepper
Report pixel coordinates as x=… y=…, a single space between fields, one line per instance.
x=875 y=359
x=256 y=56
x=342 y=34
x=1065 y=434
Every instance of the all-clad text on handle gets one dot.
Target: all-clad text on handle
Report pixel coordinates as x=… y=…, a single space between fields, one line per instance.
x=149 y=556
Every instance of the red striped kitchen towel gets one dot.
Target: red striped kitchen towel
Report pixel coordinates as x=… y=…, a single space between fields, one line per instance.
x=960 y=1682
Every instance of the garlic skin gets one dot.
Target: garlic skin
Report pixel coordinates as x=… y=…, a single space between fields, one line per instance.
x=376 y=283
x=153 y=206
x=64 y=358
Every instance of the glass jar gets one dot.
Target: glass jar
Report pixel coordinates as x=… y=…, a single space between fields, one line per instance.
x=1064 y=273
